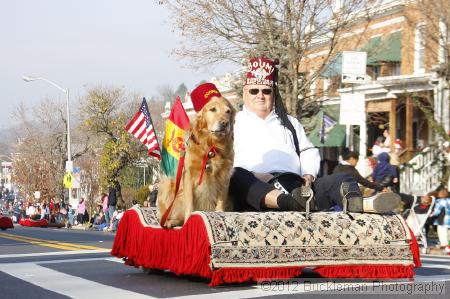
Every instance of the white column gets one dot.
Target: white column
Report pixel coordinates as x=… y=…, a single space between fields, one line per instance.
x=445 y=105
x=326 y=85
x=442 y=41
x=361 y=166
x=419 y=49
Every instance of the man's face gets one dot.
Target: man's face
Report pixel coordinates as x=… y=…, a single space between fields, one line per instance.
x=258 y=99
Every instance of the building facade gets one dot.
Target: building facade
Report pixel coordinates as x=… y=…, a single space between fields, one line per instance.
x=402 y=64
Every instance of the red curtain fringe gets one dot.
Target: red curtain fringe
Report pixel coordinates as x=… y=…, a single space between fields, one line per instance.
x=414 y=246
x=238 y=275
x=366 y=271
x=184 y=251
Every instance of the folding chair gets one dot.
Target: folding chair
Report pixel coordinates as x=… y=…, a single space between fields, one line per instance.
x=417 y=222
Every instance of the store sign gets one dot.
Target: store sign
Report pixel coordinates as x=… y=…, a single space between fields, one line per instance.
x=353 y=109
x=354 y=67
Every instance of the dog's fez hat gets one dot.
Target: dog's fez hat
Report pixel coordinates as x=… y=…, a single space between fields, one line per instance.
x=202 y=94
x=261 y=71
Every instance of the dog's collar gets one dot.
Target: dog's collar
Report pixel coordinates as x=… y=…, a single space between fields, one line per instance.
x=208 y=155
x=211 y=153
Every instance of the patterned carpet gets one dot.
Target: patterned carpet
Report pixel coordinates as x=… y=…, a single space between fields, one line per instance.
x=289 y=239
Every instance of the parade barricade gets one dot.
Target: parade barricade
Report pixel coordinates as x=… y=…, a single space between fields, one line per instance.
x=5 y=222
x=236 y=247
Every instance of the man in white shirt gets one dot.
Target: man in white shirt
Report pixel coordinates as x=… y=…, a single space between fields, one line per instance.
x=268 y=142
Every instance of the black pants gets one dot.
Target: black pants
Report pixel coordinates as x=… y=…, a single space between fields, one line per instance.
x=248 y=191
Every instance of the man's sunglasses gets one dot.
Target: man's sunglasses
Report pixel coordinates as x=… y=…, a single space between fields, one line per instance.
x=255 y=91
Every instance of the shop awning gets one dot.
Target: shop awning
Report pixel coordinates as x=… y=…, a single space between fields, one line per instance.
x=333 y=68
x=388 y=49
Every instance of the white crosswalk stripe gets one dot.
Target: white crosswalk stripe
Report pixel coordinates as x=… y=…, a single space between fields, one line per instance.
x=76 y=287
x=65 y=284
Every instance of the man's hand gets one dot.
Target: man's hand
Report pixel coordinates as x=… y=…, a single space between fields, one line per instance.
x=308 y=179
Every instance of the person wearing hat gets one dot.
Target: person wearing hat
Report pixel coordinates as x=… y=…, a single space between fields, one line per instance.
x=269 y=143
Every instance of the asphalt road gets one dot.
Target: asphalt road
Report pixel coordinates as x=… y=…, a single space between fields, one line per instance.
x=61 y=263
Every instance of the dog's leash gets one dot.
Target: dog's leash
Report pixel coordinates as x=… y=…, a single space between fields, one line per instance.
x=209 y=155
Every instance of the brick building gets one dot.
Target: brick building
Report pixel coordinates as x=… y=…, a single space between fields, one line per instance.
x=400 y=72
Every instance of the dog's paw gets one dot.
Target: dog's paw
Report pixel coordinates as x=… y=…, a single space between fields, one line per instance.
x=173 y=223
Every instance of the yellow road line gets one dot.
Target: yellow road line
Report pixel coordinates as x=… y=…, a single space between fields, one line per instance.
x=40 y=243
x=79 y=246
x=49 y=243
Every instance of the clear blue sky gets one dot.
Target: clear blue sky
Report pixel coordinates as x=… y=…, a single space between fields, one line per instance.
x=82 y=43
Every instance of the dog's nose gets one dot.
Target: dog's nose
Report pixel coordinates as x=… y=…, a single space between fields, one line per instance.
x=224 y=123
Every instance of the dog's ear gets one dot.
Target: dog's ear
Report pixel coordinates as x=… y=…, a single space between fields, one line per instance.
x=200 y=122
x=233 y=113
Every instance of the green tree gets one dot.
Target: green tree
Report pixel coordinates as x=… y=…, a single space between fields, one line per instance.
x=105 y=113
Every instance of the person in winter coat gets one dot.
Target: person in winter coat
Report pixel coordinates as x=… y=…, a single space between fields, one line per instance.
x=384 y=173
x=81 y=210
x=347 y=166
x=104 y=199
x=112 y=202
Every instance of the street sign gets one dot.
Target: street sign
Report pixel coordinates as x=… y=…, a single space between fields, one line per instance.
x=68 y=180
x=76 y=178
x=354 y=67
x=69 y=166
x=353 y=109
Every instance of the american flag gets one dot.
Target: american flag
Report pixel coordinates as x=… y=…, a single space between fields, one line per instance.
x=141 y=127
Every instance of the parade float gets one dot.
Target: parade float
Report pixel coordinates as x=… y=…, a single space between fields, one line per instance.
x=231 y=247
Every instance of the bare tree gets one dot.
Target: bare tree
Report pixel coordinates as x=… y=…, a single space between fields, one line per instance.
x=286 y=29
x=430 y=19
x=166 y=93
x=90 y=176
x=41 y=150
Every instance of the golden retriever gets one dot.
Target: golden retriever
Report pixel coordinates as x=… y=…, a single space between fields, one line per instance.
x=212 y=139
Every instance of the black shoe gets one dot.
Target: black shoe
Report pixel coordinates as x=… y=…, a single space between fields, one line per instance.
x=381 y=202
x=302 y=194
x=354 y=199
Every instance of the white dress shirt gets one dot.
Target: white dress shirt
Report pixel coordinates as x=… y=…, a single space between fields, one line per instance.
x=265 y=145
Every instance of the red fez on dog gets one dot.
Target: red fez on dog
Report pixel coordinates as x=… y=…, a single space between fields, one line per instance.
x=202 y=94
x=260 y=71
